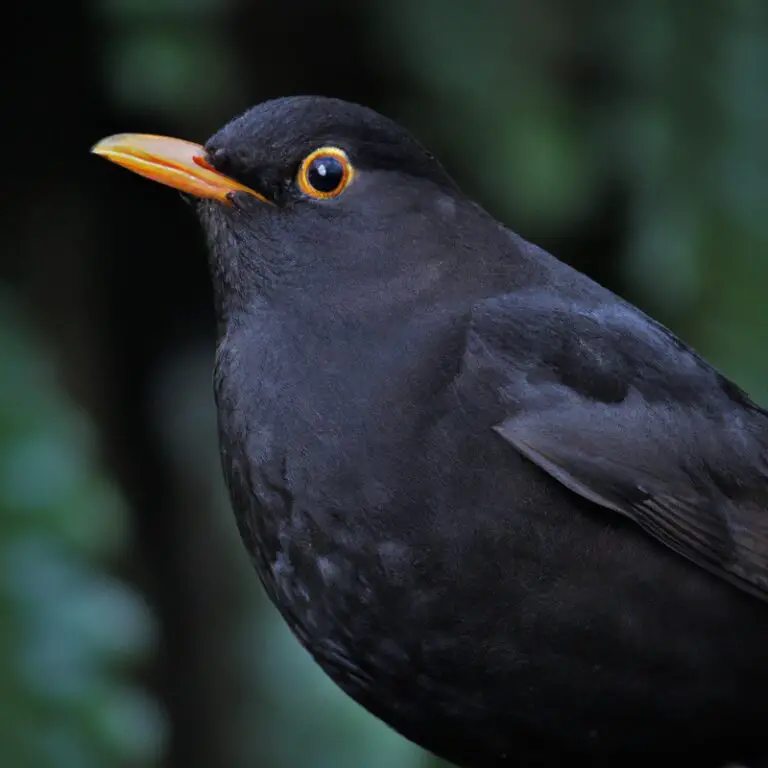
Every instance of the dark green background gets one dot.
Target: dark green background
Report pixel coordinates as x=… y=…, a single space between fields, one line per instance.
x=630 y=138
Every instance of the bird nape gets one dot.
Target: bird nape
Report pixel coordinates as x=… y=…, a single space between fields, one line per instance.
x=508 y=513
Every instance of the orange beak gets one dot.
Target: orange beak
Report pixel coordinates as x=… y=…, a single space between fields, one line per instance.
x=174 y=162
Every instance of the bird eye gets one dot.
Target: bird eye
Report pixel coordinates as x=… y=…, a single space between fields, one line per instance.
x=325 y=173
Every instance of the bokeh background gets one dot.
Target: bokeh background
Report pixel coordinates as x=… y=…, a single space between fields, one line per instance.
x=630 y=138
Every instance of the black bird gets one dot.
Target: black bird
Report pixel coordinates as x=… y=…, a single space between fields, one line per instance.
x=506 y=511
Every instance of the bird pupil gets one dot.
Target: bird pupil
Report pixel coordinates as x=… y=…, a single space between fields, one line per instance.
x=325 y=174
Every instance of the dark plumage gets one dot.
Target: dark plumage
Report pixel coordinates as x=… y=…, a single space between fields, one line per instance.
x=506 y=511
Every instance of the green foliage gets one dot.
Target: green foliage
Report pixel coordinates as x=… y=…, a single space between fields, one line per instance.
x=170 y=57
x=68 y=630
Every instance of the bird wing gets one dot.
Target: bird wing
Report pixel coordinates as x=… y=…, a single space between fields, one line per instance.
x=620 y=411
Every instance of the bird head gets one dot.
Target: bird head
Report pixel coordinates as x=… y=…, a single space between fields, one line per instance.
x=306 y=191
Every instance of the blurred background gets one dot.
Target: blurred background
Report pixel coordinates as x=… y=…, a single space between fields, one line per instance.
x=630 y=138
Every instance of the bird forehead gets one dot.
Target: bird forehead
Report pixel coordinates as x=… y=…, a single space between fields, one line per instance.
x=274 y=130
x=284 y=131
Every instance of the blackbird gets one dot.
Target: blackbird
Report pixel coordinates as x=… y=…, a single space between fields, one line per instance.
x=505 y=511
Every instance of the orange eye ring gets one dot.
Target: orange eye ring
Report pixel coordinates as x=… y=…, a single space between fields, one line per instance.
x=325 y=173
